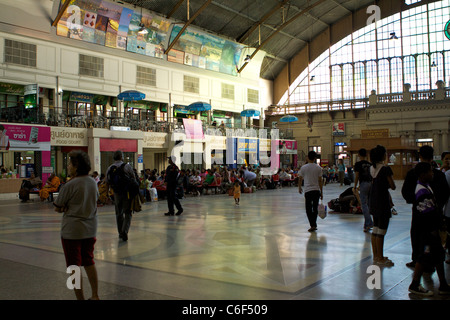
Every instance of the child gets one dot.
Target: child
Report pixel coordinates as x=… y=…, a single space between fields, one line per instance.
x=431 y=252
x=237 y=192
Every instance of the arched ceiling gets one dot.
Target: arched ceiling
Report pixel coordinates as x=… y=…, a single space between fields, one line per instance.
x=281 y=28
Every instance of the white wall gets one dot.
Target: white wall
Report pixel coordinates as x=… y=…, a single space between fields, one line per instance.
x=58 y=57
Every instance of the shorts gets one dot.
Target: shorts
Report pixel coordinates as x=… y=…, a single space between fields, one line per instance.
x=381 y=223
x=79 y=252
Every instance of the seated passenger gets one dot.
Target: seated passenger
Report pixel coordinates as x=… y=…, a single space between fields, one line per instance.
x=52 y=185
x=210 y=178
x=27 y=185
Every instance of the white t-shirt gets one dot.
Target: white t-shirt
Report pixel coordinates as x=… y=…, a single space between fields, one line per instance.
x=311 y=172
x=79 y=196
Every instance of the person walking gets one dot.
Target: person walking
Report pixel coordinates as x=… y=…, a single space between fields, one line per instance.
x=438 y=185
x=171 y=180
x=379 y=203
x=77 y=200
x=341 y=171
x=119 y=177
x=364 y=179
x=311 y=174
x=430 y=251
x=237 y=192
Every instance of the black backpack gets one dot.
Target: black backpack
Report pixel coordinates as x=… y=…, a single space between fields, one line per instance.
x=121 y=182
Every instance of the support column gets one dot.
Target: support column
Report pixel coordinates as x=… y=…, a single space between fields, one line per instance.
x=445 y=146
x=437 y=142
x=94 y=151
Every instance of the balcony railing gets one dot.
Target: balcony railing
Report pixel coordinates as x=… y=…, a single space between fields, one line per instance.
x=62 y=119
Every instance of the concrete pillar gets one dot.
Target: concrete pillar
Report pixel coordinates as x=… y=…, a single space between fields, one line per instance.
x=94 y=151
x=445 y=146
x=437 y=142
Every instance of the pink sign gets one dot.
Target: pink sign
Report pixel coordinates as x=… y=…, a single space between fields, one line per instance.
x=24 y=137
x=287 y=147
x=193 y=129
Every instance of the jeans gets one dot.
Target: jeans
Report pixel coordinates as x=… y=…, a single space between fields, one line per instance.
x=123 y=213
x=311 y=204
x=364 y=191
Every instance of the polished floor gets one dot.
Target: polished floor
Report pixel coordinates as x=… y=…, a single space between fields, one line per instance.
x=260 y=250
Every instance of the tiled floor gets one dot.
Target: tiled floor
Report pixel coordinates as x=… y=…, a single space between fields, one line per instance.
x=260 y=250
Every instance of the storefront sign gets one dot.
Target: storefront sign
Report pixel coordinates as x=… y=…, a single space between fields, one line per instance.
x=23 y=137
x=375 y=134
x=155 y=140
x=217 y=143
x=339 y=129
x=68 y=137
x=81 y=97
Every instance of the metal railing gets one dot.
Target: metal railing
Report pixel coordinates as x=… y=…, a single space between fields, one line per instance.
x=62 y=119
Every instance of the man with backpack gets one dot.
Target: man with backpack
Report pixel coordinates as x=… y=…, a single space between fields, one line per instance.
x=121 y=178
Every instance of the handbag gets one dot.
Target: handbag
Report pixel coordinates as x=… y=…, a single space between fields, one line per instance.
x=322 y=210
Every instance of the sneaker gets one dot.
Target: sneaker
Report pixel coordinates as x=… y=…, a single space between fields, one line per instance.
x=169 y=214
x=179 y=212
x=312 y=229
x=420 y=290
x=411 y=264
x=394 y=212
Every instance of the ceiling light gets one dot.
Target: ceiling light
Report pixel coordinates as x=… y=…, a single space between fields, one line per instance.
x=247 y=58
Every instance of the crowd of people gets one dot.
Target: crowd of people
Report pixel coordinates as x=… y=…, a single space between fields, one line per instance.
x=426 y=187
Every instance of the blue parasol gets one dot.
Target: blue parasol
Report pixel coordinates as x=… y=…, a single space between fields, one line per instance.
x=199 y=106
x=288 y=119
x=250 y=113
x=131 y=95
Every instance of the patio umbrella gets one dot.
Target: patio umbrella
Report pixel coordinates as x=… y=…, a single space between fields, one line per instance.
x=199 y=106
x=250 y=113
x=131 y=95
x=288 y=119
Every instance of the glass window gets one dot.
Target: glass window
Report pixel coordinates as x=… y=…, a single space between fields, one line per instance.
x=408 y=47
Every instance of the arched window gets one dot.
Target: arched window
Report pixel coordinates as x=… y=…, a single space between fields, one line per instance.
x=407 y=47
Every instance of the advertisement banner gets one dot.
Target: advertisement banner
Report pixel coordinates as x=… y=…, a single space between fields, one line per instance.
x=287 y=147
x=16 y=137
x=338 y=129
x=193 y=129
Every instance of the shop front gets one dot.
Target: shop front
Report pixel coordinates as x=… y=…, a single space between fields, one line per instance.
x=155 y=146
x=63 y=141
x=401 y=151
x=23 y=149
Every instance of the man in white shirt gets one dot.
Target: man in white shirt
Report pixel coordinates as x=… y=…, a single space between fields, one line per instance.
x=311 y=174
